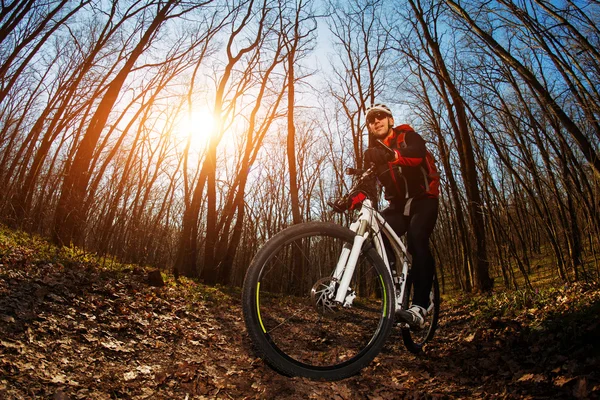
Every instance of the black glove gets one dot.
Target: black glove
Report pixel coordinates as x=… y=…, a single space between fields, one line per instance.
x=378 y=156
x=339 y=206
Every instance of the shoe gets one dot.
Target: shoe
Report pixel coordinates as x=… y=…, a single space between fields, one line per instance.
x=414 y=316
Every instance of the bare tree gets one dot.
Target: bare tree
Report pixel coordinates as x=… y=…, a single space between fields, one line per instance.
x=296 y=38
x=240 y=48
x=545 y=97
x=70 y=215
x=426 y=15
x=362 y=38
x=30 y=39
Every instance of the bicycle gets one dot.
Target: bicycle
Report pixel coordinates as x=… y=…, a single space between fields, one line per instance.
x=319 y=299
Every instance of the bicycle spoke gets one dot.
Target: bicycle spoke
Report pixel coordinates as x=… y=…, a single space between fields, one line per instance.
x=316 y=333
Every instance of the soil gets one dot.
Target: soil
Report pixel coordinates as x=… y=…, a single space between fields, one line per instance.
x=79 y=331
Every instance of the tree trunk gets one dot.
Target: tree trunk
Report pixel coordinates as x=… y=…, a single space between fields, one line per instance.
x=291 y=139
x=458 y=118
x=70 y=217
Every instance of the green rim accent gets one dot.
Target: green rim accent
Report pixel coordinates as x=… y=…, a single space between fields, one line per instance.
x=258 y=308
x=384 y=296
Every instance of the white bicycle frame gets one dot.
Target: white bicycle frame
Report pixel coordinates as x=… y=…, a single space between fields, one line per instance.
x=369 y=218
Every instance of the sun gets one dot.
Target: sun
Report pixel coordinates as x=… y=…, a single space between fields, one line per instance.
x=197 y=126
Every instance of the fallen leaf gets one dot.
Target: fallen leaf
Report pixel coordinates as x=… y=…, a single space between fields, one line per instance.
x=144 y=369
x=129 y=376
x=59 y=378
x=20 y=347
x=561 y=381
x=116 y=345
x=532 y=378
x=7 y=318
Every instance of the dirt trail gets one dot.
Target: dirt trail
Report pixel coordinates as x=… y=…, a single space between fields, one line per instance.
x=79 y=332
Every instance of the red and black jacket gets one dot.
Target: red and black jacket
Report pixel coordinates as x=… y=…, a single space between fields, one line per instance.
x=412 y=175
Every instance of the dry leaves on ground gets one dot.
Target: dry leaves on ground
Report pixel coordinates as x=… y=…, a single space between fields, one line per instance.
x=82 y=332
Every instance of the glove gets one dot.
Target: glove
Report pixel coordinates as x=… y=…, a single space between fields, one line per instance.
x=339 y=206
x=356 y=199
x=378 y=156
x=349 y=202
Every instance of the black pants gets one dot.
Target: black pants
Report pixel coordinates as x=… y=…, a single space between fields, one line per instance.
x=418 y=226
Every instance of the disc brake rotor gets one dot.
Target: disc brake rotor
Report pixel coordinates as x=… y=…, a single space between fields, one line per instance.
x=323 y=296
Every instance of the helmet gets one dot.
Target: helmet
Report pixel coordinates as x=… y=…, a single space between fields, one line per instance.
x=378 y=107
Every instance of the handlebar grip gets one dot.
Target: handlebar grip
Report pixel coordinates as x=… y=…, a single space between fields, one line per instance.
x=339 y=205
x=353 y=171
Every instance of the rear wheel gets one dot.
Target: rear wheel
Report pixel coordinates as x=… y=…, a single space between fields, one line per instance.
x=415 y=339
x=290 y=312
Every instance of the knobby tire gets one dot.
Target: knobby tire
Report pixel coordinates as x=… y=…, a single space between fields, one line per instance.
x=300 y=336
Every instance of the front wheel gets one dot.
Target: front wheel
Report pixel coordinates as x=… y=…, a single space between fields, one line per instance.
x=415 y=340
x=290 y=312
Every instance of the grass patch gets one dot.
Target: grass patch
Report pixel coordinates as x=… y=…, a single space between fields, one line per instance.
x=28 y=250
x=538 y=304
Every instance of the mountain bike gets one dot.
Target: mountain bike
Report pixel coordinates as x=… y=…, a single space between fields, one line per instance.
x=319 y=299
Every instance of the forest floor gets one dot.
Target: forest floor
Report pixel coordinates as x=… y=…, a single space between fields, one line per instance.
x=73 y=329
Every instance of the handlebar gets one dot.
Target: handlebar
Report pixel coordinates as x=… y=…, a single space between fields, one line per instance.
x=354 y=171
x=342 y=204
x=363 y=174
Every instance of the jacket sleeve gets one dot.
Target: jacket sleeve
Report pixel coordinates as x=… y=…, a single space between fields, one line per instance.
x=413 y=153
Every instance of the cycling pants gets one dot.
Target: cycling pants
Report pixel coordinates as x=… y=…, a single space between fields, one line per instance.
x=418 y=226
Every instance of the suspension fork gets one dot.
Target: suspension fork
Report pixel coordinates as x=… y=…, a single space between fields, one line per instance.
x=344 y=255
x=350 y=261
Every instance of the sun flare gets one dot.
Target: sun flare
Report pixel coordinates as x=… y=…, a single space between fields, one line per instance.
x=198 y=126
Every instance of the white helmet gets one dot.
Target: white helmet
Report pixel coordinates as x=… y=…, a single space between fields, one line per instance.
x=378 y=108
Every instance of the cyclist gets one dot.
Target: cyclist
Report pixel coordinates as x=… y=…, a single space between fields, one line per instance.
x=412 y=195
